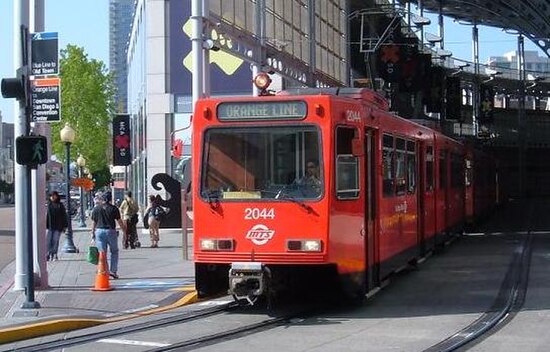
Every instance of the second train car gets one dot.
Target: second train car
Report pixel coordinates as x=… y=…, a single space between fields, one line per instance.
x=315 y=184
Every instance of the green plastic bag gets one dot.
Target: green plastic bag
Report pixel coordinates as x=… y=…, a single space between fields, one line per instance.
x=93 y=254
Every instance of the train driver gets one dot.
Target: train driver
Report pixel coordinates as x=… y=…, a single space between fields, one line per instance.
x=311 y=180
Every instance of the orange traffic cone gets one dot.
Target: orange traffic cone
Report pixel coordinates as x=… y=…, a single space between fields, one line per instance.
x=102 y=276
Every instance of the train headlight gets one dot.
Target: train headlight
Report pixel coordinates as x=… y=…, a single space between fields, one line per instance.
x=208 y=245
x=216 y=244
x=312 y=246
x=304 y=245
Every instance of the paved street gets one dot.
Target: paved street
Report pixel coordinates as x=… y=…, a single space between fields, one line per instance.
x=7 y=238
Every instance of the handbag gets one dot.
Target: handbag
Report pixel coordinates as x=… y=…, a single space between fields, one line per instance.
x=93 y=254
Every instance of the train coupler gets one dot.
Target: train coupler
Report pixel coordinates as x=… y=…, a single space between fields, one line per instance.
x=248 y=281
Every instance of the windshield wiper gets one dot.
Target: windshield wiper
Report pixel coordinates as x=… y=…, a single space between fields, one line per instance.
x=283 y=195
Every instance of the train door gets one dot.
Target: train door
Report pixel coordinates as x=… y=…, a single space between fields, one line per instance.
x=444 y=186
x=428 y=213
x=421 y=157
x=370 y=210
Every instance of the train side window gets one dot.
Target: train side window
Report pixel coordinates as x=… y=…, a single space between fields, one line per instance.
x=387 y=164
x=400 y=166
x=442 y=169
x=347 y=165
x=411 y=167
x=429 y=169
x=457 y=171
x=469 y=172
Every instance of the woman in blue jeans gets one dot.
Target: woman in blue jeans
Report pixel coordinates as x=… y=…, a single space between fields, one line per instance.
x=104 y=217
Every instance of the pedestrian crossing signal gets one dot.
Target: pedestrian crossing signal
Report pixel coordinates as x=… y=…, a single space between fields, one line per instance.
x=31 y=150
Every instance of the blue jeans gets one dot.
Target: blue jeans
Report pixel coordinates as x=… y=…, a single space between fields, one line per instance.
x=108 y=237
x=52 y=241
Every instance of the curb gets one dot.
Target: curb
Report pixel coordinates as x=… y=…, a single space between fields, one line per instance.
x=54 y=326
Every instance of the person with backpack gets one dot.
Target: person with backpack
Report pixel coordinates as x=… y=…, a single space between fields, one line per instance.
x=154 y=213
x=104 y=217
x=129 y=212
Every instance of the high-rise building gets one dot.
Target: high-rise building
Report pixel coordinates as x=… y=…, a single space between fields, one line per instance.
x=120 y=23
x=533 y=62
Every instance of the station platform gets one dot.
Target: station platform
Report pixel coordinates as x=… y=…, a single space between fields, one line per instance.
x=150 y=280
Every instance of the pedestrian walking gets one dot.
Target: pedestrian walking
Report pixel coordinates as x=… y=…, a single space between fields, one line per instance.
x=129 y=211
x=154 y=215
x=104 y=219
x=56 y=223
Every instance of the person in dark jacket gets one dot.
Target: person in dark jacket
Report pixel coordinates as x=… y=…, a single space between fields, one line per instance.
x=56 y=222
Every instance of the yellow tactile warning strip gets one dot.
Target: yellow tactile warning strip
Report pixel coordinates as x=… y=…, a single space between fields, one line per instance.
x=54 y=326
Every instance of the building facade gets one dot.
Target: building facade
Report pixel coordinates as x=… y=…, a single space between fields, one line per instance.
x=533 y=62
x=160 y=68
x=120 y=24
x=6 y=160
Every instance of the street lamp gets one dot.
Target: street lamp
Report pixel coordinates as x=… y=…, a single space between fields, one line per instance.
x=68 y=135
x=81 y=162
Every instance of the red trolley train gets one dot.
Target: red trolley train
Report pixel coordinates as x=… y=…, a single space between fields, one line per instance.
x=311 y=184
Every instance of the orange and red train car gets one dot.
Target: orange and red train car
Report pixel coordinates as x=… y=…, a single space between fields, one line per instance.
x=314 y=184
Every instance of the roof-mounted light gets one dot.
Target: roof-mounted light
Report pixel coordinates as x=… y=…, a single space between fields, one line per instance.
x=262 y=82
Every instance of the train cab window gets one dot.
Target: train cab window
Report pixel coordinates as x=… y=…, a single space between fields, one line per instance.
x=387 y=165
x=275 y=163
x=442 y=169
x=429 y=169
x=411 y=167
x=400 y=166
x=347 y=165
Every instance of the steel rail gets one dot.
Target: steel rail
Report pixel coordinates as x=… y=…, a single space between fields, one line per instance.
x=232 y=334
x=173 y=320
x=510 y=298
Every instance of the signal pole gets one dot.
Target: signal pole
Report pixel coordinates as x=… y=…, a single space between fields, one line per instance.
x=20 y=18
x=39 y=174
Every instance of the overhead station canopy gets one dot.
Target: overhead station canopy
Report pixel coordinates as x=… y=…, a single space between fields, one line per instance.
x=528 y=17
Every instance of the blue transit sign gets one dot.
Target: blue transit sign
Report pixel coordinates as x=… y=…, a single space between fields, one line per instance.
x=44 y=54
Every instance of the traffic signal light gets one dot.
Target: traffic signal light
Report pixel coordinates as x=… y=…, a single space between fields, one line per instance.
x=15 y=87
x=31 y=150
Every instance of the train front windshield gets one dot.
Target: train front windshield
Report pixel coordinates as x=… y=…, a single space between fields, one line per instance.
x=277 y=163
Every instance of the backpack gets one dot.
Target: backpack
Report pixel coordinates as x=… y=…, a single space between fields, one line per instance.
x=159 y=213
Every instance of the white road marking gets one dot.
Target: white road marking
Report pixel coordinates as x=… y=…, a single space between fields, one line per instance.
x=214 y=303
x=135 y=343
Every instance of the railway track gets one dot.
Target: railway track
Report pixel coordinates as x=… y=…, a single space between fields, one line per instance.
x=509 y=301
x=155 y=324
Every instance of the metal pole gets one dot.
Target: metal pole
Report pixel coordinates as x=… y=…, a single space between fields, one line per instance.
x=206 y=55
x=475 y=87
x=312 y=48
x=82 y=215
x=20 y=17
x=39 y=175
x=69 y=247
x=29 y=303
x=197 y=50
x=521 y=111
x=441 y=26
x=260 y=33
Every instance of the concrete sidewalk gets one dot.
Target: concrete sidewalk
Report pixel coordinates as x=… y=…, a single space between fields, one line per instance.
x=151 y=280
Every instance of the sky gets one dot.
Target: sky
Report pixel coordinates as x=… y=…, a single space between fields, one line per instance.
x=86 y=23
x=79 y=22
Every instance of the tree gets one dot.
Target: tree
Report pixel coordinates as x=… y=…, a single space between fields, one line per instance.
x=87 y=104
